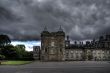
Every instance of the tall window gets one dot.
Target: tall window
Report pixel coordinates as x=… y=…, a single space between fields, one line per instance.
x=52 y=51
x=52 y=43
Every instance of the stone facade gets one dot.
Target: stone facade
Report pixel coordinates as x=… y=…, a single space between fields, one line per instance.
x=74 y=54
x=101 y=54
x=87 y=54
x=36 y=52
x=54 y=47
x=96 y=50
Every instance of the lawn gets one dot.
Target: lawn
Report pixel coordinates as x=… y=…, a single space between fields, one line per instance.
x=15 y=62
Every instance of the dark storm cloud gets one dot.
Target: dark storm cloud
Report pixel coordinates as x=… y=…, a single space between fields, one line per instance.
x=81 y=19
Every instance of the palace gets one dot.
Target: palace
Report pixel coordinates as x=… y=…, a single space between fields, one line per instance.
x=54 y=47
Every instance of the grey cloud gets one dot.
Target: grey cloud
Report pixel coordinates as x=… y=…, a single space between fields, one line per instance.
x=81 y=19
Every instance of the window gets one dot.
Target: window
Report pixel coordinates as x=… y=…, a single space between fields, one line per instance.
x=107 y=52
x=72 y=55
x=76 y=52
x=45 y=49
x=77 y=56
x=66 y=45
x=72 y=52
x=52 y=51
x=60 y=49
x=52 y=43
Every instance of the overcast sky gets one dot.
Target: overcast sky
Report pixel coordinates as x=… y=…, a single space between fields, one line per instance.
x=81 y=19
x=28 y=44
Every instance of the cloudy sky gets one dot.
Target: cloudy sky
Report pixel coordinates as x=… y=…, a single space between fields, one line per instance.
x=28 y=44
x=81 y=19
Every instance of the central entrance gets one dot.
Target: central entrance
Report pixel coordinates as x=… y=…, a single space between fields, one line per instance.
x=53 y=54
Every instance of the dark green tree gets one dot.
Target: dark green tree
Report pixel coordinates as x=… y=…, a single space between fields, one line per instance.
x=28 y=55
x=2 y=57
x=4 y=40
x=20 y=51
x=9 y=52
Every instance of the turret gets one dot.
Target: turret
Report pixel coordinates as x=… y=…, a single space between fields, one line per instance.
x=45 y=28
x=45 y=32
x=60 y=29
x=61 y=32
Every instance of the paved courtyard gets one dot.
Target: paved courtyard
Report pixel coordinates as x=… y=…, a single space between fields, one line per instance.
x=59 y=67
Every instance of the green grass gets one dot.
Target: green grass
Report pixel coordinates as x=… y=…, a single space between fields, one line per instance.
x=15 y=62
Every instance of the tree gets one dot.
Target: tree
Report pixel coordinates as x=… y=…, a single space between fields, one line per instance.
x=20 y=50
x=2 y=57
x=28 y=55
x=22 y=54
x=16 y=53
x=4 y=40
x=9 y=52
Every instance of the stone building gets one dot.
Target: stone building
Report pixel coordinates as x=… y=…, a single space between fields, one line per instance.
x=36 y=52
x=101 y=54
x=73 y=51
x=74 y=54
x=54 y=47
